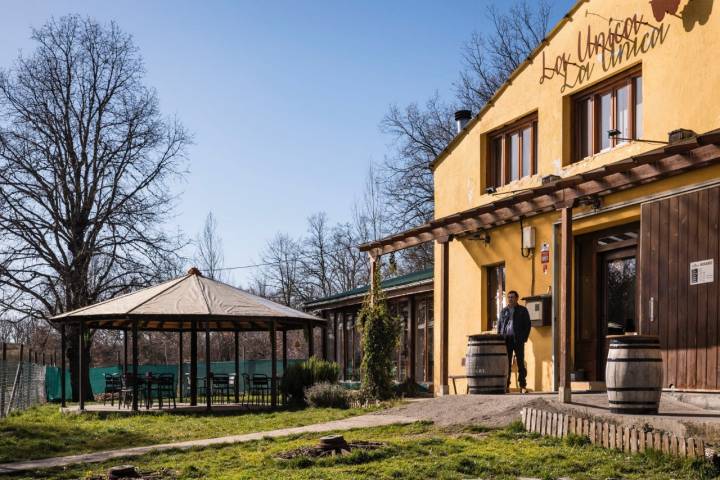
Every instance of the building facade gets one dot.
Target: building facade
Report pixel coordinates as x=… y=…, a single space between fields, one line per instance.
x=569 y=188
x=410 y=298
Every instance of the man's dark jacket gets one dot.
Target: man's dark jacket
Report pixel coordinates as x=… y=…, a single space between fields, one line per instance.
x=520 y=323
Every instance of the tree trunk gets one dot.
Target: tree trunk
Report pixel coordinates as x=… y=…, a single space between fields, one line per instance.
x=72 y=358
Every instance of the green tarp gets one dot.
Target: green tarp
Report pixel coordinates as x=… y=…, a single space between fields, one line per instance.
x=97 y=374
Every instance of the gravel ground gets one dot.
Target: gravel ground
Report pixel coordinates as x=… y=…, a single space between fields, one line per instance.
x=487 y=410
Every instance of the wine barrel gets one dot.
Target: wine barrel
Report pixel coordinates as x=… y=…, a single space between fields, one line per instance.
x=634 y=373
x=487 y=364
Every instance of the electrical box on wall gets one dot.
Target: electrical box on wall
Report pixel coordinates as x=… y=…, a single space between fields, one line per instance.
x=540 y=310
x=528 y=238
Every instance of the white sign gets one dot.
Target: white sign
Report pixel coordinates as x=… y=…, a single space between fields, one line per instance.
x=702 y=272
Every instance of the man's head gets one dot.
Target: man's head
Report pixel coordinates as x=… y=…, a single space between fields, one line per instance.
x=513 y=298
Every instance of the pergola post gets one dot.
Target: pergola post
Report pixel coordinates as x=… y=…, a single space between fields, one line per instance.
x=237 y=366
x=273 y=364
x=284 y=358
x=566 y=247
x=193 y=362
x=324 y=339
x=135 y=365
x=63 y=354
x=180 y=365
x=443 y=291
x=208 y=371
x=412 y=327
x=125 y=351
x=81 y=362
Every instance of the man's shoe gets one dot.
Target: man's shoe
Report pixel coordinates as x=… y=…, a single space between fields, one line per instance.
x=523 y=390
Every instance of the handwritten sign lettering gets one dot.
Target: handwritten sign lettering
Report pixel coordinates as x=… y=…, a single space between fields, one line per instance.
x=621 y=42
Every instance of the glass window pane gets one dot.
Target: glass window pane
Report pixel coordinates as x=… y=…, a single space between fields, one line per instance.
x=638 y=107
x=605 y=120
x=526 y=151
x=622 y=112
x=514 y=145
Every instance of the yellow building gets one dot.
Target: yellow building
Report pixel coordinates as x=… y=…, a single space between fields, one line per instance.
x=620 y=215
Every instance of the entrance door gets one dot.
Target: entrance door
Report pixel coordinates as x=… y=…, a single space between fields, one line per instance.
x=605 y=300
x=617 y=309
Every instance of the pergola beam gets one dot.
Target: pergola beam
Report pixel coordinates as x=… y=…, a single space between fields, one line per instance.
x=604 y=180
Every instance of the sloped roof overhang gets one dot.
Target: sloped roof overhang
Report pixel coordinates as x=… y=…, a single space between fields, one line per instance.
x=668 y=160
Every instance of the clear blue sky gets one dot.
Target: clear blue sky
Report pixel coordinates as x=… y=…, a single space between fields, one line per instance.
x=283 y=98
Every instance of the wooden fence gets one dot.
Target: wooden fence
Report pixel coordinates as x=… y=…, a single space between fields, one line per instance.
x=609 y=435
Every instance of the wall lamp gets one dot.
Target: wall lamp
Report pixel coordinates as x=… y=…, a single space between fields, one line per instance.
x=615 y=133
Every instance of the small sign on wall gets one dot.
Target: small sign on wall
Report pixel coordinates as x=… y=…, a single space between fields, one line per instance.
x=702 y=272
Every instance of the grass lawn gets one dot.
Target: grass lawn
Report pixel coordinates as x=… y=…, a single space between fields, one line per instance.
x=417 y=451
x=43 y=431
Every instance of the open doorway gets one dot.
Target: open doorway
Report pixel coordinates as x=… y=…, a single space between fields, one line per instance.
x=605 y=303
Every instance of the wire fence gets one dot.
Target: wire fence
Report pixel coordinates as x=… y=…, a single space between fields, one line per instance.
x=22 y=385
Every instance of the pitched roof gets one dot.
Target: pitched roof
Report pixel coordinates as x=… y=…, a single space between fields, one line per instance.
x=420 y=276
x=190 y=295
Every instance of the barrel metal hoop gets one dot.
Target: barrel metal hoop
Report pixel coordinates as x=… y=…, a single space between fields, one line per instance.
x=630 y=402
x=635 y=346
x=634 y=359
x=501 y=354
x=633 y=389
x=486 y=376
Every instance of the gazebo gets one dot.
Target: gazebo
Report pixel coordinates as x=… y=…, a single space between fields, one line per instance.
x=190 y=303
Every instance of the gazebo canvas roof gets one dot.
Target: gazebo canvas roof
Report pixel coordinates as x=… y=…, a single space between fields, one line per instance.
x=173 y=305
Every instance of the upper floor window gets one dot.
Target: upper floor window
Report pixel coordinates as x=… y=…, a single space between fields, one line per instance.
x=513 y=152
x=616 y=104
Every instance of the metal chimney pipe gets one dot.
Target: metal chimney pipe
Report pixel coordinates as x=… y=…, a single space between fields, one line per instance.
x=462 y=117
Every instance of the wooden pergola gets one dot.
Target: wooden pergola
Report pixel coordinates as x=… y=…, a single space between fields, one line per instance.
x=193 y=304
x=555 y=194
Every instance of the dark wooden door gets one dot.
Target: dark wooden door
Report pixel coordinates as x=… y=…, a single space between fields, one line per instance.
x=674 y=233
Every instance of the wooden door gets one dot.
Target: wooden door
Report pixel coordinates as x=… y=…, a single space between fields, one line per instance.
x=675 y=232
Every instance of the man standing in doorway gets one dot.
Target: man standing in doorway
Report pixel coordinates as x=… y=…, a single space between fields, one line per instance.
x=514 y=325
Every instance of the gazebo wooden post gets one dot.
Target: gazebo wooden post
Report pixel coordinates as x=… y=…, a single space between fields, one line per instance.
x=208 y=371
x=63 y=353
x=324 y=339
x=125 y=351
x=237 y=366
x=81 y=362
x=135 y=364
x=284 y=358
x=273 y=364
x=193 y=362
x=180 y=365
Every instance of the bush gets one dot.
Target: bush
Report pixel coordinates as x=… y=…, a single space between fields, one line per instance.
x=327 y=395
x=302 y=375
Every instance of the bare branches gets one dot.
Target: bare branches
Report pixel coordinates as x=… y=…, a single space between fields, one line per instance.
x=85 y=164
x=209 y=256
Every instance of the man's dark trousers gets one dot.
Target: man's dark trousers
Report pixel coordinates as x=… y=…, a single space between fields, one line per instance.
x=518 y=348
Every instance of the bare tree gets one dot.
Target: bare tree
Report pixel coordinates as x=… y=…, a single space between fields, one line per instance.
x=85 y=160
x=349 y=266
x=314 y=258
x=489 y=60
x=420 y=133
x=282 y=270
x=209 y=255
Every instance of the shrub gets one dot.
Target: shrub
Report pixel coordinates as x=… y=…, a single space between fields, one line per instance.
x=327 y=395
x=302 y=375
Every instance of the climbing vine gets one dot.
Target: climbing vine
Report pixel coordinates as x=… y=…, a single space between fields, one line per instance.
x=380 y=336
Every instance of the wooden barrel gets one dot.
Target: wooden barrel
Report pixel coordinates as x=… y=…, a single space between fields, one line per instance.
x=487 y=364
x=634 y=373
